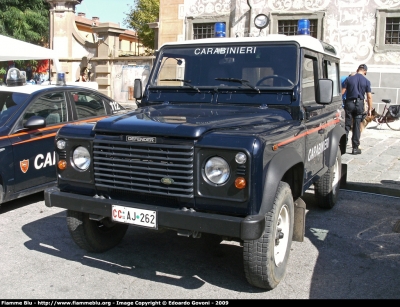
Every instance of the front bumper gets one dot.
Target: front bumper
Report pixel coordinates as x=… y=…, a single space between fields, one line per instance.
x=246 y=228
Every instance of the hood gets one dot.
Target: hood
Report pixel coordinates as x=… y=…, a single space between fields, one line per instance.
x=189 y=120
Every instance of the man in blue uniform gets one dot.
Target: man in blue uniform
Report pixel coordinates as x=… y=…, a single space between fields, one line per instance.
x=355 y=88
x=342 y=79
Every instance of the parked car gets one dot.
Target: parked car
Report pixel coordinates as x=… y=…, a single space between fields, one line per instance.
x=30 y=116
x=228 y=136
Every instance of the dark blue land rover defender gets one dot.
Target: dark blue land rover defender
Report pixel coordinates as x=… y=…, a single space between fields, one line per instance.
x=229 y=134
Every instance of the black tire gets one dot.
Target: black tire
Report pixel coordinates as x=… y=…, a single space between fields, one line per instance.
x=94 y=236
x=326 y=188
x=393 y=124
x=265 y=259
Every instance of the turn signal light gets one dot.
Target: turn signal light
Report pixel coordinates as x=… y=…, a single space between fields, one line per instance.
x=240 y=183
x=62 y=164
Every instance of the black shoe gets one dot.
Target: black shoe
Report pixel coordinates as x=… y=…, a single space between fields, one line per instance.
x=356 y=151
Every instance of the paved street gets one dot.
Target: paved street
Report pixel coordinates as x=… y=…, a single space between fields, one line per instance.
x=351 y=251
x=377 y=169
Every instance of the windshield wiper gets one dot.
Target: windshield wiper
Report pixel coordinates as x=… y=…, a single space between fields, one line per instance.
x=185 y=82
x=242 y=81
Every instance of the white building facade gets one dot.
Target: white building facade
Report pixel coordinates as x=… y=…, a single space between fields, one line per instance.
x=362 y=31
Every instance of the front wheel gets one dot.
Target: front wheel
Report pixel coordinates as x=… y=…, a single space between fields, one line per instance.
x=393 y=123
x=265 y=259
x=94 y=236
x=327 y=187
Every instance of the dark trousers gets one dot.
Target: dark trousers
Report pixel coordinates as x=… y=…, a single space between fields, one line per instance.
x=354 y=108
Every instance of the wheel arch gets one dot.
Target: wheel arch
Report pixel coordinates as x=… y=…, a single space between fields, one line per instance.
x=286 y=166
x=337 y=139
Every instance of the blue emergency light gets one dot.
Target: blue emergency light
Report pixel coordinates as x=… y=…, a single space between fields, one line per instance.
x=220 y=29
x=61 y=78
x=303 y=27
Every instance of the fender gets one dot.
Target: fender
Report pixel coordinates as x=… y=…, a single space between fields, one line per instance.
x=275 y=170
x=335 y=137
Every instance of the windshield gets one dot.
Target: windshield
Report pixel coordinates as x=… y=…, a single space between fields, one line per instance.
x=9 y=104
x=249 y=67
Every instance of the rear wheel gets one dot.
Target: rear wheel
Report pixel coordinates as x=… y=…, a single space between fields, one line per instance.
x=327 y=187
x=265 y=259
x=94 y=236
x=393 y=123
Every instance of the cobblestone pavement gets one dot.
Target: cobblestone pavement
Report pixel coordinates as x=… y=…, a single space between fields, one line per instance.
x=377 y=169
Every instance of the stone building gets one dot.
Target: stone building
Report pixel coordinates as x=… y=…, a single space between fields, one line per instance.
x=362 y=31
x=101 y=51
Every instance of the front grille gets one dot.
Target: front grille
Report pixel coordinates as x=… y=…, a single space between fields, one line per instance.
x=142 y=168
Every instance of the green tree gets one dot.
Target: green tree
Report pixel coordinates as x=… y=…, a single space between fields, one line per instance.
x=143 y=12
x=26 y=20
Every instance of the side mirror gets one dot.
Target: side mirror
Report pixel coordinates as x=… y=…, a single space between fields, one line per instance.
x=137 y=91
x=35 y=122
x=324 y=92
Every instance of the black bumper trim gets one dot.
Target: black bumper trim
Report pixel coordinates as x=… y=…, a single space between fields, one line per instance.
x=247 y=228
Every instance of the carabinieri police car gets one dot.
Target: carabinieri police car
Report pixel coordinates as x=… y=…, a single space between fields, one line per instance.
x=30 y=116
x=229 y=135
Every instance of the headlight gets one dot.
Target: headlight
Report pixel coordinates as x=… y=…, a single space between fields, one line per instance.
x=81 y=158
x=217 y=170
x=61 y=144
x=240 y=158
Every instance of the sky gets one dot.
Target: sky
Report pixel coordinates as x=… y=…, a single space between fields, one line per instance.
x=107 y=10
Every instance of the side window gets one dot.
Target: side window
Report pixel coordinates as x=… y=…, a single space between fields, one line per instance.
x=333 y=74
x=308 y=81
x=7 y=106
x=52 y=107
x=88 y=105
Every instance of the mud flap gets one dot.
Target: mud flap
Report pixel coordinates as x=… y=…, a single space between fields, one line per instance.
x=299 y=220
